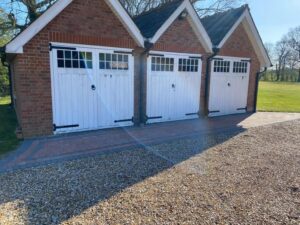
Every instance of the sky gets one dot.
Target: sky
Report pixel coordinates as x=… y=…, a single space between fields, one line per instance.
x=274 y=18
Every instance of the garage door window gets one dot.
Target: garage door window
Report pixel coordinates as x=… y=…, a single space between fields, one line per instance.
x=162 y=64
x=221 y=66
x=188 y=65
x=240 y=67
x=74 y=59
x=108 y=61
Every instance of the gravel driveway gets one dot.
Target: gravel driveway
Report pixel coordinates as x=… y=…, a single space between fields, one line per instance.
x=235 y=178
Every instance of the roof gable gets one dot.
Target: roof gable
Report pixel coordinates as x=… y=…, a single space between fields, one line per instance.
x=150 y=21
x=16 y=45
x=155 y=22
x=219 y=24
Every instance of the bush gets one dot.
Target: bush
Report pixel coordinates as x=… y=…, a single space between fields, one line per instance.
x=4 y=81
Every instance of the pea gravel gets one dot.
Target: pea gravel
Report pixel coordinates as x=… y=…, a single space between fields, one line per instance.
x=251 y=177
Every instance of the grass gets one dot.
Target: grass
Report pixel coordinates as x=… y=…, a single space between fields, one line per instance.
x=279 y=97
x=8 y=124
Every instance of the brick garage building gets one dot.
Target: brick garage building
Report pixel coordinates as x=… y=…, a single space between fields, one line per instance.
x=239 y=57
x=104 y=69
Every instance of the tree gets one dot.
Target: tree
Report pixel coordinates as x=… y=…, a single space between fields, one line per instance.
x=19 y=14
x=293 y=37
x=4 y=80
x=282 y=51
x=203 y=7
x=208 y=7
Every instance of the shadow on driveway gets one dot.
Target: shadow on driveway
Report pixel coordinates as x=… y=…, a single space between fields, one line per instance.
x=55 y=193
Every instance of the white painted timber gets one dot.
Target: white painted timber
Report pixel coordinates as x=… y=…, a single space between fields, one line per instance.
x=228 y=92
x=173 y=95
x=75 y=103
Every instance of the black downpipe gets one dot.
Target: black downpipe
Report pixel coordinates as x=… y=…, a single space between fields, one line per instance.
x=258 y=76
x=142 y=113
x=207 y=77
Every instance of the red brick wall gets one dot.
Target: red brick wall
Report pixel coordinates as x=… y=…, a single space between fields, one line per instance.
x=83 y=22
x=239 y=45
x=179 y=37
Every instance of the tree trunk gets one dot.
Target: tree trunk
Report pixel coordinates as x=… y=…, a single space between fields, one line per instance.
x=299 y=76
x=277 y=72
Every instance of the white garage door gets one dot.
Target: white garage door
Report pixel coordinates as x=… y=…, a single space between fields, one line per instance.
x=228 y=86
x=92 y=88
x=173 y=86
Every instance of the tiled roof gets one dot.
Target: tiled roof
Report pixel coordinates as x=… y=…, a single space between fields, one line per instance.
x=150 y=21
x=219 y=24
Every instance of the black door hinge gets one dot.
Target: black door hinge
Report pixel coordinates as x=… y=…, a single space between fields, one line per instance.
x=214 y=111
x=125 y=120
x=152 y=118
x=124 y=52
x=246 y=60
x=196 y=57
x=158 y=55
x=60 y=47
x=217 y=59
x=192 y=114
x=64 y=126
x=242 y=109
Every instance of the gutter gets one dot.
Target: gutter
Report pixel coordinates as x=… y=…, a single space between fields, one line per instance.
x=258 y=76
x=207 y=76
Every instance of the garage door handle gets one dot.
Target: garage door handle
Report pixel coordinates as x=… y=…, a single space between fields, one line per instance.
x=93 y=87
x=229 y=84
x=173 y=85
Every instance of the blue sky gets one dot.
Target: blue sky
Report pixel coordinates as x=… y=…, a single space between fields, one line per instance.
x=274 y=18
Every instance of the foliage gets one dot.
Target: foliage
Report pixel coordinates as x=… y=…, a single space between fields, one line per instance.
x=8 y=121
x=289 y=75
x=285 y=54
x=203 y=7
x=4 y=81
x=18 y=14
x=279 y=97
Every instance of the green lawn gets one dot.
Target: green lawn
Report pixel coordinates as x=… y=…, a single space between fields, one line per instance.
x=279 y=97
x=8 y=123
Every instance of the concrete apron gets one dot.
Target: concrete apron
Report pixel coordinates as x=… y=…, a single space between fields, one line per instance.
x=53 y=149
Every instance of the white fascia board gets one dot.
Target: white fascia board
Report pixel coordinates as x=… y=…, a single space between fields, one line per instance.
x=253 y=34
x=127 y=21
x=199 y=28
x=16 y=45
x=267 y=62
x=228 y=35
x=196 y=24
